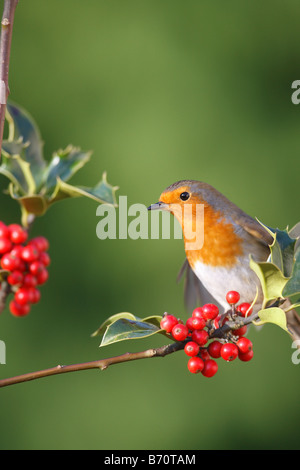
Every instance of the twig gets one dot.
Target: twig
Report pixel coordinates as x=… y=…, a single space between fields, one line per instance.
x=6 y=35
x=4 y=291
x=102 y=364
x=233 y=325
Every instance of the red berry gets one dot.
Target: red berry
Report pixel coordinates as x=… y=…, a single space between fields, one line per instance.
x=16 y=254
x=229 y=351
x=210 y=368
x=41 y=243
x=36 y=267
x=22 y=296
x=232 y=297
x=8 y=262
x=244 y=345
x=180 y=332
x=167 y=323
x=244 y=309
x=197 y=313
x=4 y=231
x=214 y=349
x=5 y=245
x=22 y=266
x=42 y=277
x=210 y=311
x=15 y=278
x=204 y=354
x=44 y=258
x=19 y=310
x=195 y=364
x=30 y=253
x=200 y=337
x=191 y=348
x=17 y=234
x=29 y=280
x=198 y=323
x=245 y=357
x=16 y=251
x=34 y=295
x=189 y=323
x=240 y=331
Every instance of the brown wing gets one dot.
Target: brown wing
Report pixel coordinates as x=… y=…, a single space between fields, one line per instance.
x=252 y=226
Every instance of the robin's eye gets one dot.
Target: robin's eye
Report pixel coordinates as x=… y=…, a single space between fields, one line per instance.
x=184 y=196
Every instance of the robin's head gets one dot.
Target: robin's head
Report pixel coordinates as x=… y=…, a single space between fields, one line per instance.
x=187 y=200
x=186 y=192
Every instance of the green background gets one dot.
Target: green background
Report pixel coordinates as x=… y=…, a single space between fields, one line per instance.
x=160 y=91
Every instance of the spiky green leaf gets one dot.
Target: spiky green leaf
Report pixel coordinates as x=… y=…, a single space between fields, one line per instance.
x=273 y=315
x=271 y=278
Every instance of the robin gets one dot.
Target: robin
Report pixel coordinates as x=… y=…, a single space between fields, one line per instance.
x=219 y=261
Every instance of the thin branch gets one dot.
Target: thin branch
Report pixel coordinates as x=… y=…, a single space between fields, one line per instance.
x=4 y=291
x=239 y=322
x=102 y=364
x=6 y=35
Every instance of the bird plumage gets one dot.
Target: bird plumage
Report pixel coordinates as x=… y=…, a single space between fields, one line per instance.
x=221 y=264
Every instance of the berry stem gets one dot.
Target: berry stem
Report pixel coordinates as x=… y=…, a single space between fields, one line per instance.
x=233 y=325
x=101 y=364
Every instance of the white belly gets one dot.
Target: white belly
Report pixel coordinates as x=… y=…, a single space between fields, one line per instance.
x=218 y=281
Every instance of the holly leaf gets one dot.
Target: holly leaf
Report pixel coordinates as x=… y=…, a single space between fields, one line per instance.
x=123 y=329
x=271 y=278
x=296 y=304
x=295 y=231
x=35 y=204
x=272 y=315
x=63 y=165
x=125 y=325
x=24 y=132
x=15 y=147
x=285 y=254
x=36 y=184
x=103 y=192
x=282 y=251
x=154 y=320
x=293 y=285
x=101 y=330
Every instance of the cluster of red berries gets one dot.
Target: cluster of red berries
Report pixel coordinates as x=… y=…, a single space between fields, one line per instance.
x=198 y=329
x=26 y=266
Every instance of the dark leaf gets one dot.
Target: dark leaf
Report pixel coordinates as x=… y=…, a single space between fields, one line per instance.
x=128 y=329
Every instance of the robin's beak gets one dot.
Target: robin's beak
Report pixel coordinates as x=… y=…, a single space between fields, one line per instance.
x=158 y=206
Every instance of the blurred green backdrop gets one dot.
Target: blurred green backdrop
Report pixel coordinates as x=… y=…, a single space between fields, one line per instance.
x=160 y=91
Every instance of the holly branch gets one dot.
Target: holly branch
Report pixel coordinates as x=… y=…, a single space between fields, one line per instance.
x=127 y=326
x=6 y=35
x=101 y=364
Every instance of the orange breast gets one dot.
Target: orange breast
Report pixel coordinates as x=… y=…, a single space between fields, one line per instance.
x=221 y=244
